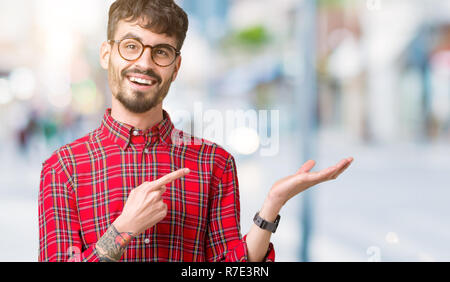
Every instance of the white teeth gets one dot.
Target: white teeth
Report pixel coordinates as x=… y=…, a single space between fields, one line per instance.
x=141 y=80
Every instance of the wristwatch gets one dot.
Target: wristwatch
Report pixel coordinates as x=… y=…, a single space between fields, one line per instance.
x=266 y=225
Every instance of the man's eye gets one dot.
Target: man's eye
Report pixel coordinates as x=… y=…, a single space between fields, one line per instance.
x=131 y=46
x=161 y=52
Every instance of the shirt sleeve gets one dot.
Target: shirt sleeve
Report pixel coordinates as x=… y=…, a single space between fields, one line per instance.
x=224 y=241
x=59 y=228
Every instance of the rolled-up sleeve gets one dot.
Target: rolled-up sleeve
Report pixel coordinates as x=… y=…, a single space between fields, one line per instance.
x=224 y=240
x=59 y=228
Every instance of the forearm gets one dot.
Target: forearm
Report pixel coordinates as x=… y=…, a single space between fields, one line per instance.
x=258 y=239
x=111 y=246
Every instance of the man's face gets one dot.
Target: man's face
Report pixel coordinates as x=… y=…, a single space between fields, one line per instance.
x=138 y=97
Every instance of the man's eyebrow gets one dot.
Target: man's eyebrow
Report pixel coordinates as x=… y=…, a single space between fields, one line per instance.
x=131 y=35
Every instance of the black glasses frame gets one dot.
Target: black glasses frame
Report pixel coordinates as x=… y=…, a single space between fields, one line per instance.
x=177 y=52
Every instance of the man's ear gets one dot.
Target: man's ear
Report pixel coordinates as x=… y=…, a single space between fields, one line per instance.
x=177 y=68
x=105 y=53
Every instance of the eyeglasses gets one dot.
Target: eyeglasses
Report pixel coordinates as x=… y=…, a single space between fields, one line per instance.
x=131 y=49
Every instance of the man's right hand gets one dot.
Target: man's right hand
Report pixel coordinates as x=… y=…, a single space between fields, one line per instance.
x=145 y=207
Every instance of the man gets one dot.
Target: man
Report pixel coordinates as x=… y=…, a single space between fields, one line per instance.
x=131 y=190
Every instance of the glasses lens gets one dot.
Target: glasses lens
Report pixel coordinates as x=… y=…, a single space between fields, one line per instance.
x=163 y=55
x=130 y=49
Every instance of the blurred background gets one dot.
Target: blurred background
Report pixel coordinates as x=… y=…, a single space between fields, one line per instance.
x=363 y=78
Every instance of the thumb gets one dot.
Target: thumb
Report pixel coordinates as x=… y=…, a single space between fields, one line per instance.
x=306 y=167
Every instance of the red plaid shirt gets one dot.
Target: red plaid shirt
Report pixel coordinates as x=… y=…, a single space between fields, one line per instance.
x=84 y=186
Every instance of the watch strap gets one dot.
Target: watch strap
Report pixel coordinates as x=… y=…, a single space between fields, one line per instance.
x=266 y=225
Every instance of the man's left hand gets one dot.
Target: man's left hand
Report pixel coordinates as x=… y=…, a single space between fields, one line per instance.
x=286 y=188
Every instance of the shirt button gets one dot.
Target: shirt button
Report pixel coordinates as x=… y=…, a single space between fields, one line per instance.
x=147 y=151
x=135 y=133
x=147 y=241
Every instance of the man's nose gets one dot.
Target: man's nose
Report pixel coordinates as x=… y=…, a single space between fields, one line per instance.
x=146 y=60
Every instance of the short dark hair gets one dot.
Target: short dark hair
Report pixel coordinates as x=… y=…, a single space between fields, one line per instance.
x=160 y=16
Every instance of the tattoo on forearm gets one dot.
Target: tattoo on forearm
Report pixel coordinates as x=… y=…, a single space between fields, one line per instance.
x=112 y=244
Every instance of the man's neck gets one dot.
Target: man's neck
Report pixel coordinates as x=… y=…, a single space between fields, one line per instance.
x=142 y=121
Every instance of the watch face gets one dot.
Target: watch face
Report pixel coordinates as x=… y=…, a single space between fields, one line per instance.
x=278 y=219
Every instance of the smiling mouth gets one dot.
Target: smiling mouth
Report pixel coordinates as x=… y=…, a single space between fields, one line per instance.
x=141 y=81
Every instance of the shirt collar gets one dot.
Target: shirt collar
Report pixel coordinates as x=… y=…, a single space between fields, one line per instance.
x=121 y=133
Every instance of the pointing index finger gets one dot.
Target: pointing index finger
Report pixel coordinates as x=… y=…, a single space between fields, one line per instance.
x=168 y=178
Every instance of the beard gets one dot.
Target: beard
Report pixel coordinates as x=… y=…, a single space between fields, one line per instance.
x=137 y=101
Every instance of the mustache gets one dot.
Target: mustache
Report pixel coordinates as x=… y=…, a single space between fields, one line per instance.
x=148 y=72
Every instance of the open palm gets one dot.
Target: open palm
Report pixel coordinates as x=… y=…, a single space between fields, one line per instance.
x=289 y=186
